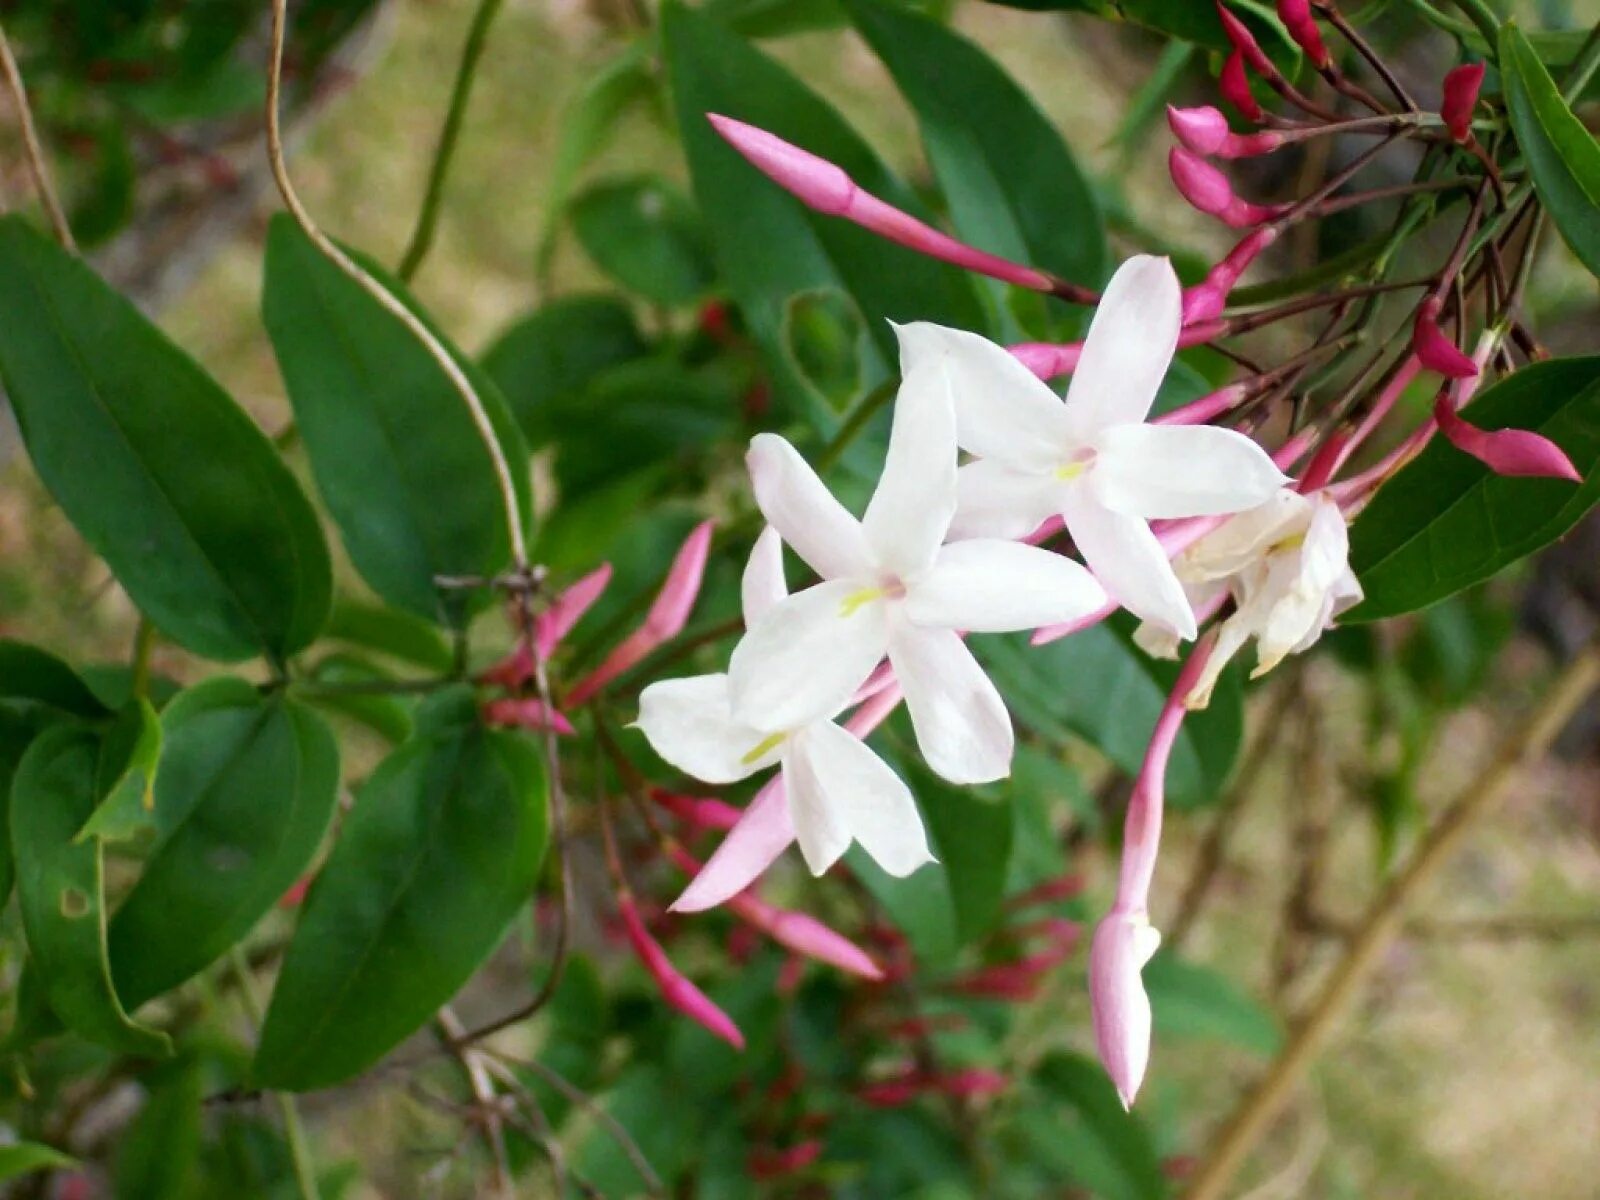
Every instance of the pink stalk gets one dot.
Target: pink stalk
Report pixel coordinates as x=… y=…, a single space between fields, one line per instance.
x=675 y=988
x=1234 y=84
x=1124 y=941
x=1051 y=891
x=1302 y=26
x=1518 y=452
x=1207 y=189
x=1460 y=97
x=1206 y=300
x=1409 y=370
x=1049 y=359
x=825 y=187
x=665 y=620
x=527 y=713
x=1205 y=130
x=1198 y=412
x=1433 y=349
x=700 y=812
x=796 y=931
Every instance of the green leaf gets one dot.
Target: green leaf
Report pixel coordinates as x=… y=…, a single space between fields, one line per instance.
x=129 y=759
x=1190 y=20
x=646 y=235
x=776 y=18
x=978 y=127
x=1099 y=686
x=395 y=451
x=650 y=1106
x=544 y=362
x=1193 y=1001
x=61 y=888
x=246 y=791
x=157 y=1155
x=24 y=1158
x=389 y=716
x=769 y=246
x=822 y=338
x=1446 y=521
x=28 y=673
x=972 y=839
x=17 y=731
x=161 y=472
x=918 y=904
x=389 y=631
x=1109 y=1150
x=1563 y=156
x=441 y=850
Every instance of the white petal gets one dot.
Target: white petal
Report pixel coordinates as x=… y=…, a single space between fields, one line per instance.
x=1003 y=410
x=803 y=660
x=1325 y=553
x=1129 y=562
x=1235 y=632
x=803 y=510
x=864 y=797
x=911 y=509
x=817 y=827
x=961 y=723
x=1155 y=471
x=994 y=500
x=1130 y=345
x=689 y=722
x=762 y=585
x=990 y=586
x=1243 y=539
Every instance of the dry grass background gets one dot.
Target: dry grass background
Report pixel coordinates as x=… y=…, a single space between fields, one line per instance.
x=1471 y=1071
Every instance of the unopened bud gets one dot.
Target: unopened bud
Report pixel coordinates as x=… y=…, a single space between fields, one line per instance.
x=1208 y=189
x=1433 y=349
x=1460 y=97
x=1234 y=83
x=1302 y=26
x=1123 y=944
x=1205 y=130
x=1517 y=452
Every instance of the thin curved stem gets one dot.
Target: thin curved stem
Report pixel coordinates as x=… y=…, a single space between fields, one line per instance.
x=385 y=298
x=432 y=201
x=33 y=150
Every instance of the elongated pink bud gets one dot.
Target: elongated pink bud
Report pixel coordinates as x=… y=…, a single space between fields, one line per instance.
x=1205 y=131
x=527 y=713
x=553 y=625
x=1206 y=300
x=1245 y=42
x=1234 y=84
x=665 y=620
x=1302 y=26
x=700 y=811
x=1505 y=451
x=1433 y=349
x=1208 y=189
x=1460 y=97
x=1123 y=943
x=675 y=988
x=825 y=187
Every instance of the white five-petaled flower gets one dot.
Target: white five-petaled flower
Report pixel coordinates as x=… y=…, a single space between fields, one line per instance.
x=1286 y=564
x=838 y=790
x=891 y=586
x=1094 y=460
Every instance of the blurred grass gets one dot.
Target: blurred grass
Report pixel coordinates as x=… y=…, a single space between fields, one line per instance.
x=1471 y=1071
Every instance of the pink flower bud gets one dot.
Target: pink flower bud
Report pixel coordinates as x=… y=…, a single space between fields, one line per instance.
x=664 y=621
x=1505 y=451
x=766 y=1165
x=1433 y=349
x=1460 y=97
x=1245 y=42
x=700 y=812
x=1123 y=944
x=1206 y=300
x=823 y=186
x=890 y=1093
x=527 y=713
x=1047 y=360
x=1302 y=26
x=675 y=988
x=553 y=625
x=1208 y=189
x=1234 y=84
x=1205 y=131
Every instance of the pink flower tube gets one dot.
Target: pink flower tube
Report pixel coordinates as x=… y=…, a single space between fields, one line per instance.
x=675 y=988
x=1207 y=189
x=1205 y=131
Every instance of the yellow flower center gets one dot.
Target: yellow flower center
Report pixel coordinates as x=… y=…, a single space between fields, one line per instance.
x=855 y=601
x=766 y=744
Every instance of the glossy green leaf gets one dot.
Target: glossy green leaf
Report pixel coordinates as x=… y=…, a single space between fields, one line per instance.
x=1193 y=1001
x=61 y=888
x=646 y=235
x=972 y=837
x=30 y=674
x=391 y=632
x=768 y=245
x=1563 y=156
x=441 y=850
x=978 y=126
x=245 y=793
x=394 y=449
x=161 y=472
x=544 y=362
x=1191 y=20
x=1108 y=1149
x=1116 y=712
x=130 y=758
x=24 y=1158
x=1446 y=521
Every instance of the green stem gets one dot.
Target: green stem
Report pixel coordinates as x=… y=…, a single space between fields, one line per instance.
x=428 y=218
x=858 y=419
x=1583 y=67
x=294 y=1132
x=1481 y=15
x=1434 y=17
x=144 y=640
